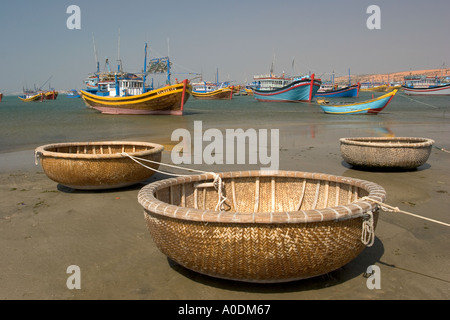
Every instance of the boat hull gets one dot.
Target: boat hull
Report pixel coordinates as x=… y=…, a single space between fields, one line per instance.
x=219 y=94
x=50 y=95
x=36 y=97
x=373 y=106
x=443 y=90
x=168 y=100
x=298 y=91
x=352 y=91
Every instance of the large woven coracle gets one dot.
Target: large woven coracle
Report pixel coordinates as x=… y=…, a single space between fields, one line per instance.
x=381 y=152
x=98 y=165
x=275 y=227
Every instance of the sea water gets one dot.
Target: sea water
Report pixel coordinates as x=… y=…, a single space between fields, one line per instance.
x=27 y=125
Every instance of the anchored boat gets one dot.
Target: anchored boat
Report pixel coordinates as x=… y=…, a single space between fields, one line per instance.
x=350 y=91
x=439 y=90
x=281 y=89
x=373 y=106
x=126 y=93
x=212 y=91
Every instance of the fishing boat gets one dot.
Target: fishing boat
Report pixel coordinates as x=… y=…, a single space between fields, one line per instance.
x=1 y=96
x=439 y=90
x=50 y=95
x=372 y=106
x=212 y=91
x=30 y=96
x=73 y=94
x=285 y=89
x=167 y=100
x=349 y=91
x=128 y=94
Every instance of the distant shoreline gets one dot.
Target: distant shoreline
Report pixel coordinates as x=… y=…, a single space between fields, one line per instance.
x=392 y=76
x=376 y=77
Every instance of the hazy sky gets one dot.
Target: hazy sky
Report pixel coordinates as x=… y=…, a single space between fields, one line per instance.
x=240 y=38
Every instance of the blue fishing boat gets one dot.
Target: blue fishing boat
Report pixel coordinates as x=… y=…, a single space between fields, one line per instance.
x=350 y=91
x=282 y=89
x=373 y=106
x=73 y=94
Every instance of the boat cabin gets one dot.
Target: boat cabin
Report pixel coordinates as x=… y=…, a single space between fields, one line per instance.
x=270 y=82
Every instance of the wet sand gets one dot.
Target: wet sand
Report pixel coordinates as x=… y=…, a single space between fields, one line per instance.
x=46 y=227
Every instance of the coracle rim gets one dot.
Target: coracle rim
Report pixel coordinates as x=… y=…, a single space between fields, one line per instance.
x=352 y=210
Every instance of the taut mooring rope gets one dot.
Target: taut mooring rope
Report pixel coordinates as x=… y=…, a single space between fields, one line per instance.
x=218 y=183
x=442 y=149
x=386 y=207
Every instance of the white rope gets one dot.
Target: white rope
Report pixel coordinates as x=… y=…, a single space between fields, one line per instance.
x=368 y=231
x=218 y=183
x=427 y=104
x=389 y=208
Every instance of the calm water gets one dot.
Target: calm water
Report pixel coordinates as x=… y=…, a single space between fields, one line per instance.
x=28 y=125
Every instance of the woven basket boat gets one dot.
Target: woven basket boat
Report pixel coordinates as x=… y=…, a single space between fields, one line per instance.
x=98 y=165
x=382 y=152
x=280 y=226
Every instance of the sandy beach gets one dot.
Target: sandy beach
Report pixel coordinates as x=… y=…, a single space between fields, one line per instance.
x=46 y=227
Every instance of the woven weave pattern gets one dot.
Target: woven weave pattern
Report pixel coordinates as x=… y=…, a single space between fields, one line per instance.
x=279 y=227
x=379 y=152
x=97 y=165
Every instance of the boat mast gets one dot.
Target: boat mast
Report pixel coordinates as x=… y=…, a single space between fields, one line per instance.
x=119 y=62
x=349 y=78
x=145 y=65
x=95 y=54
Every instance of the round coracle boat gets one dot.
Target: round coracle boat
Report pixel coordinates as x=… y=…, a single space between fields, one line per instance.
x=98 y=165
x=386 y=152
x=261 y=226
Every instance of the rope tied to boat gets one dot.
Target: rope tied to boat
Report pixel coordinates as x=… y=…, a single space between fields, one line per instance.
x=218 y=183
x=388 y=208
x=368 y=230
x=36 y=157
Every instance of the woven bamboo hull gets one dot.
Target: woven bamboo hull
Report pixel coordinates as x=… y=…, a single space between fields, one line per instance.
x=380 y=152
x=280 y=227
x=98 y=165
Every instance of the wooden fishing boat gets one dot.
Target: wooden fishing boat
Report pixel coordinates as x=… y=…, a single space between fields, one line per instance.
x=350 y=91
x=32 y=97
x=50 y=95
x=292 y=90
x=275 y=226
x=439 y=90
x=97 y=165
x=1 y=96
x=218 y=94
x=166 y=100
x=373 y=106
x=386 y=152
x=126 y=93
